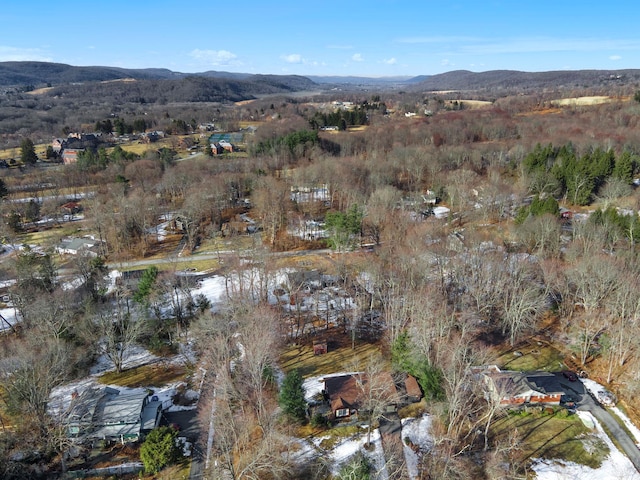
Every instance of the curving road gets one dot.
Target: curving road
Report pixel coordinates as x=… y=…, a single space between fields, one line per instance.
x=587 y=403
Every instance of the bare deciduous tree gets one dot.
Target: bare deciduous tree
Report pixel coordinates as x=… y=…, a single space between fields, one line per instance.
x=594 y=280
x=541 y=235
x=116 y=331
x=271 y=197
x=523 y=298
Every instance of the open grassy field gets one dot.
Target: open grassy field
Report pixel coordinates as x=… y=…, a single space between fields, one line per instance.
x=7 y=153
x=339 y=359
x=534 y=356
x=151 y=375
x=550 y=437
x=50 y=236
x=582 y=101
x=471 y=103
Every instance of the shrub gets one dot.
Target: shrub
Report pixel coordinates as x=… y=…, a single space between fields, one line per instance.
x=319 y=421
x=160 y=449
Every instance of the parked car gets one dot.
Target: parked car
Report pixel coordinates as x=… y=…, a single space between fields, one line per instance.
x=606 y=398
x=569 y=375
x=567 y=401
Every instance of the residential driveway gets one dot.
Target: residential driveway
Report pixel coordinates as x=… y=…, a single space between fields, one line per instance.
x=587 y=403
x=390 y=424
x=189 y=426
x=186 y=420
x=391 y=434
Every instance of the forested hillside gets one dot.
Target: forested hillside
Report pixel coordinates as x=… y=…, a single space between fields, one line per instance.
x=421 y=236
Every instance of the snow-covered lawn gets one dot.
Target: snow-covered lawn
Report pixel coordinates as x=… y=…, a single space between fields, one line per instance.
x=615 y=467
x=345 y=449
x=214 y=288
x=135 y=356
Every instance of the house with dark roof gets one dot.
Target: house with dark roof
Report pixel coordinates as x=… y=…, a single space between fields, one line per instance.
x=521 y=388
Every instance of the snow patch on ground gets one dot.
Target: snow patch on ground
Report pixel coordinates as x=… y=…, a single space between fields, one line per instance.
x=635 y=431
x=418 y=431
x=215 y=289
x=344 y=450
x=9 y=318
x=135 y=356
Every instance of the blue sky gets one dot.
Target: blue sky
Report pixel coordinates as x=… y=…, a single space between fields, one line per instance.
x=325 y=37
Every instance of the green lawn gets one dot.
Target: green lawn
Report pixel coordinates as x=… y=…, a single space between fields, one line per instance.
x=534 y=357
x=49 y=236
x=336 y=360
x=551 y=437
x=152 y=375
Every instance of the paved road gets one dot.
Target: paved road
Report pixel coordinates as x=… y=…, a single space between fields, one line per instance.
x=586 y=402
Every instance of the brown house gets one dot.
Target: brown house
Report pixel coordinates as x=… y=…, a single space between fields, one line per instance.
x=71 y=208
x=346 y=394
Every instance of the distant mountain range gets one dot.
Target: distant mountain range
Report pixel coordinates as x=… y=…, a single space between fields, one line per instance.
x=38 y=74
x=513 y=79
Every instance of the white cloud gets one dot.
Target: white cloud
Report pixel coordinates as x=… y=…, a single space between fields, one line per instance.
x=357 y=57
x=215 y=57
x=390 y=61
x=615 y=57
x=13 y=54
x=445 y=62
x=292 y=58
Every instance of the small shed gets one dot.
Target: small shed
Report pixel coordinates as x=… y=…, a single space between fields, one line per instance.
x=319 y=347
x=414 y=394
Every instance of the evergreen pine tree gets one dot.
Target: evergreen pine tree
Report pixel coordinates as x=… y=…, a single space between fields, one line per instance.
x=291 y=396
